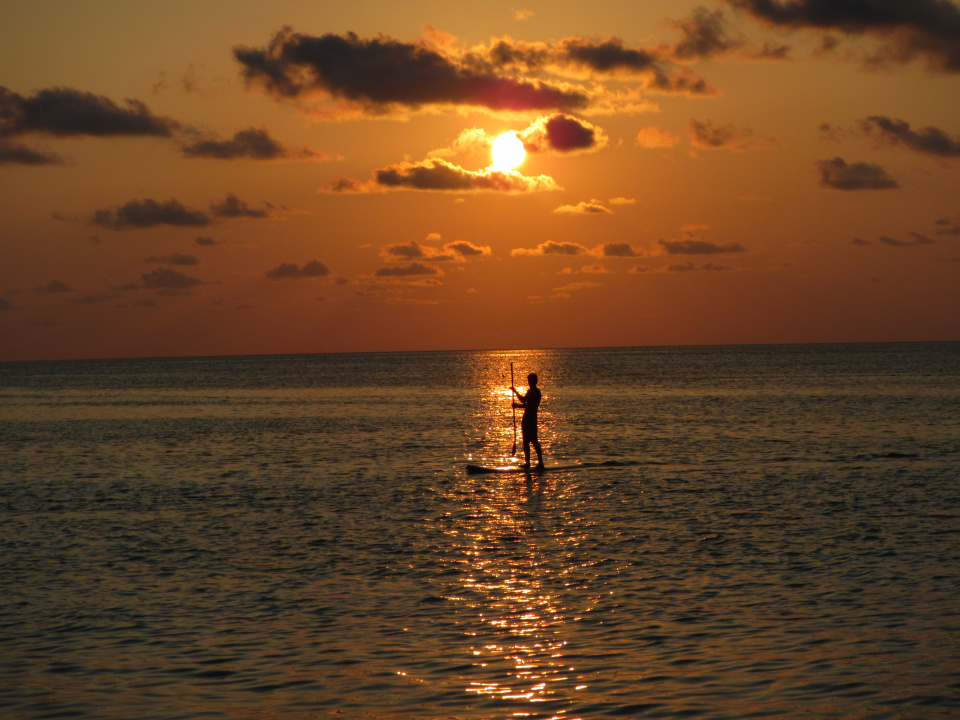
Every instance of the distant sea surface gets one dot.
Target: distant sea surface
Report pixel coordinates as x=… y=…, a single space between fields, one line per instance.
x=296 y=536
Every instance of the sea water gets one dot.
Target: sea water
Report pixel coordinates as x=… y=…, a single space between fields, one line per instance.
x=296 y=537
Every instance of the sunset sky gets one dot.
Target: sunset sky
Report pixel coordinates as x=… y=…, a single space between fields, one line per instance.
x=233 y=177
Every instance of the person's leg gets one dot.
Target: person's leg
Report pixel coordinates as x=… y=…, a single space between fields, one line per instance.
x=536 y=446
x=526 y=451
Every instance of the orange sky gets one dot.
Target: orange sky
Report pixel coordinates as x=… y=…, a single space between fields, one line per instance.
x=187 y=178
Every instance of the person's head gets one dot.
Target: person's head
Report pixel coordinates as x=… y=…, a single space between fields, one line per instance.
x=532 y=379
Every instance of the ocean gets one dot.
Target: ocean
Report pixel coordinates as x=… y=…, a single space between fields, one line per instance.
x=297 y=536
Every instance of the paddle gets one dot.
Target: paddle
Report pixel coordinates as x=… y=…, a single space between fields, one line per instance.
x=513 y=404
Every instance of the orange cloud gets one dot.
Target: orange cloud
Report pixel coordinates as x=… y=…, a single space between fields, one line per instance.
x=550 y=247
x=651 y=137
x=439 y=175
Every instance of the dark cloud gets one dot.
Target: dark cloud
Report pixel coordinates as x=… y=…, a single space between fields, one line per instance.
x=414 y=250
x=412 y=270
x=929 y=140
x=561 y=133
x=291 y=271
x=167 y=279
x=551 y=247
x=349 y=185
x=204 y=241
x=5 y=305
x=840 y=175
x=915 y=239
x=616 y=249
x=707 y=136
x=612 y=57
x=859 y=242
x=233 y=207
x=54 y=286
x=693 y=246
x=440 y=175
x=249 y=144
x=468 y=249
x=907 y=29
x=65 y=112
x=947 y=226
x=771 y=51
x=19 y=154
x=705 y=33
x=382 y=73
x=174 y=259
x=149 y=213
x=455 y=251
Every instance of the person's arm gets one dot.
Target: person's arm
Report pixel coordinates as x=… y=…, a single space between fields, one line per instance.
x=522 y=398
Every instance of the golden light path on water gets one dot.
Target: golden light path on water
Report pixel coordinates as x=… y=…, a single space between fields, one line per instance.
x=516 y=548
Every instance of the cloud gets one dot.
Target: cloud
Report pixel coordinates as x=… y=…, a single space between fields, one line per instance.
x=839 y=175
x=174 y=259
x=555 y=133
x=907 y=30
x=947 y=226
x=415 y=269
x=5 y=305
x=66 y=112
x=929 y=140
x=468 y=249
x=706 y=136
x=291 y=271
x=594 y=269
x=705 y=34
x=167 y=279
x=470 y=141
x=250 y=144
x=622 y=201
x=382 y=73
x=233 y=207
x=561 y=133
x=205 y=241
x=651 y=137
x=581 y=56
x=593 y=207
x=693 y=246
x=550 y=247
x=437 y=174
x=20 y=154
x=54 y=286
x=149 y=213
x=565 y=290
x=916 y=239
x=454 y=251
x=617 y=249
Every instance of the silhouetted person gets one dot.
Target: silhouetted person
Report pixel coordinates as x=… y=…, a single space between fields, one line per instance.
x=528 y=425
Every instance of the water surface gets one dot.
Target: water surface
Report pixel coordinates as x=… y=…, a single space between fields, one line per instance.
x=296 y=537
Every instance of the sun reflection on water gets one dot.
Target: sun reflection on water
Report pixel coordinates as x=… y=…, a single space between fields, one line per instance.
x=521 y=620
x=512 y=547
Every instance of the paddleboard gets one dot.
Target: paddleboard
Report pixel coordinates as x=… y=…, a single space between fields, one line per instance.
x=513 y=470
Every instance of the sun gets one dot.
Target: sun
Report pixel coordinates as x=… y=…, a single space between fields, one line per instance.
x=507 y=151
